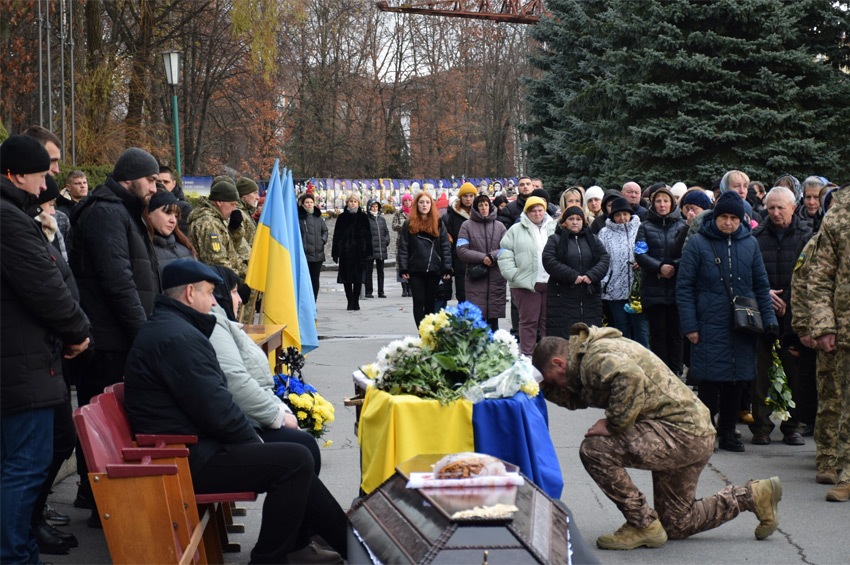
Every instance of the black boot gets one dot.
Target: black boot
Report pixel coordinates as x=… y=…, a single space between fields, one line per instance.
x=405 y=290
x=49 y=543
x=728 y=442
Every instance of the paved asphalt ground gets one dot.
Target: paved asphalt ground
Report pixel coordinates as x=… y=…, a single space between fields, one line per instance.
x=811 y=530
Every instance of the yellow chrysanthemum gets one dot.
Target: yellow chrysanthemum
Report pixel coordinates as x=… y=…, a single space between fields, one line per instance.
x=530 y=388
x=295 y=400
x=301 y=415
x=317 y=426
x=328 y=443
x=371 y=371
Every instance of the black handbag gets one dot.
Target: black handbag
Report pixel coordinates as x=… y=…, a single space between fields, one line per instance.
x=746 y=317
x=478 y=271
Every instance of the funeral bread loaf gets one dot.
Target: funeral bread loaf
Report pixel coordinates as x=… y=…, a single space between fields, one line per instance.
x=466 y=465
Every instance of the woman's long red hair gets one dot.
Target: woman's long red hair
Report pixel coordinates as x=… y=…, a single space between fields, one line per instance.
x=428 y=223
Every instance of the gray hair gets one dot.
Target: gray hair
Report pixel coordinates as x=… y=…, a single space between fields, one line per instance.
x=780 y=191
x=175 y=292
x=812 y=181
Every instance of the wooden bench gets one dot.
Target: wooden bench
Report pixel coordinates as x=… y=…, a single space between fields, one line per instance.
x=144 y=492
x=224 y=504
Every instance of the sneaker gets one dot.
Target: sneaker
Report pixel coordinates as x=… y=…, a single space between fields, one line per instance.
x=745 y=417
x=630 y=537
x=840 y=492
x=827 y=477
x=794 y=438
x=312 y=553
x=766 y=496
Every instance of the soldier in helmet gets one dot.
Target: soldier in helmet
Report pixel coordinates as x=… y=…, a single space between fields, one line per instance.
x=211 y=224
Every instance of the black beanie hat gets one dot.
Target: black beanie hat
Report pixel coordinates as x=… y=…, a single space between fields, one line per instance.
x=620 y=204
x=134 y=164
x=22 y=155
x=729 y=203
x=52 y=191
x=160 y=199
x=540 y=193
x=573 y=211
x=224 y=191
x=697 y=198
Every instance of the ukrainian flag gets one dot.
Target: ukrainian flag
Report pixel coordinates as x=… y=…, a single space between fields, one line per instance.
x=278 y=266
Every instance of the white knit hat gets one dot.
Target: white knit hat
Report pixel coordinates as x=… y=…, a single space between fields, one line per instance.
x=594 y=192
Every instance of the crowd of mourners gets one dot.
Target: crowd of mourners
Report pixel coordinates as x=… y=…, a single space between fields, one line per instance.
x=130 y=282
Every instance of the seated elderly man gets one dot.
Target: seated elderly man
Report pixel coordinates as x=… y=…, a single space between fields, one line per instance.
x=653 y=422
x=174 y=385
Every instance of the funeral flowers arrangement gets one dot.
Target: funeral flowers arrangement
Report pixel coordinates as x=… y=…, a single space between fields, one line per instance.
x=456 y=355
x=314 y=413
x=779 y=393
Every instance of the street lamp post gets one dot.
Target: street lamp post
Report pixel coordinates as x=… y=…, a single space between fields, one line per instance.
x=171 y=60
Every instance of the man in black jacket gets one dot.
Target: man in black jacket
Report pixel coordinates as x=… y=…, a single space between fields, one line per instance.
x=40 y=319
x=112 y=256
x=174 y=385
x=781 y=239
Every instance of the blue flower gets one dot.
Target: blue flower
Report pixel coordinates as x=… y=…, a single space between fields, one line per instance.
x=310 y=388
x=641 y=247
x=469 y=311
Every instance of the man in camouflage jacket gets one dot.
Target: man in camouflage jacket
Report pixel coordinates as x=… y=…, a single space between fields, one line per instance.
x=653 y=422
x=829 y=302
x=210 y=227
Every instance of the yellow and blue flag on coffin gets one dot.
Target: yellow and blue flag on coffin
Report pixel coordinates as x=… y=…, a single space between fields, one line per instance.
x=278 y=266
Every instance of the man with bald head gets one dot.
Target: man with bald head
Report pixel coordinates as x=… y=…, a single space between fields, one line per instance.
x=631 y=191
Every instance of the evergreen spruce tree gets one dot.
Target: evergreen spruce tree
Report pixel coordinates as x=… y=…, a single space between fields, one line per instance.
x=684 y=90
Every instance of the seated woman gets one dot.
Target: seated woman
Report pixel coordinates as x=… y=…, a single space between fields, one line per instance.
x=249 y=377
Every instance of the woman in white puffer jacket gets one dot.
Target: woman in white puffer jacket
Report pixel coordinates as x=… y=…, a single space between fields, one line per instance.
x=618 y=237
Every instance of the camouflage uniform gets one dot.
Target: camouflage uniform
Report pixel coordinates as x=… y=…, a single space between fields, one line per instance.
x=828 y=379
x=211 y=238
x=829 y=303
x=243 y=240
x=656 y=423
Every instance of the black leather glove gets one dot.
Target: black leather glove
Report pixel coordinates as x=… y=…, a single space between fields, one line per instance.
x=235 y=220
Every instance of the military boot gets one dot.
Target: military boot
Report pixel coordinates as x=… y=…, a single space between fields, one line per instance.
x=766 y=496
x=840 y=492
x=631 y=537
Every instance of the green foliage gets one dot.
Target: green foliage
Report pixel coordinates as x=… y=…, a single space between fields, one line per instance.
x=192 y=198
x=685 y=90
x=388 y=209
x=4 y=134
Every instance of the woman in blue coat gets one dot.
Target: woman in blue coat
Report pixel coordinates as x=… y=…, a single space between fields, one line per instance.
x=722 y=361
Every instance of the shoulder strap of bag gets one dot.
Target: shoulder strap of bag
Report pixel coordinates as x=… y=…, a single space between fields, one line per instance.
x=720 y=270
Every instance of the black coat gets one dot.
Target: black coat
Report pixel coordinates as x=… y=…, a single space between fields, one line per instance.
x=173 y=383
x=112 y=256
x=65 y=204
x=780 y=257
x=380 y=236
x=566 y=256
x=422 y=253
x=453 y=220
x=314 y=234
x=352 y=246
x=167 y=249
x=38 y=309
x=659 y=234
